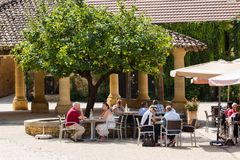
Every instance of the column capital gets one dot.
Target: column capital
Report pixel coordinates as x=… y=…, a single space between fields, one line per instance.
x=179 y=52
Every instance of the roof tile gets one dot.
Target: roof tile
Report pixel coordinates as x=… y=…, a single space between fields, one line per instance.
x=14 y=14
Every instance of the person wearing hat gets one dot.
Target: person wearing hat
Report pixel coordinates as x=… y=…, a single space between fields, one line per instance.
x=149 y=118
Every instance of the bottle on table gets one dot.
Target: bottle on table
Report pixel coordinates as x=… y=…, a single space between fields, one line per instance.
x=126 y=108
x=91 y=114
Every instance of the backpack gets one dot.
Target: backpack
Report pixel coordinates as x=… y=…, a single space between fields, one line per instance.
x=148 y=140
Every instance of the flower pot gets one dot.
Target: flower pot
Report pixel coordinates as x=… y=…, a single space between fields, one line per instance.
x=191 y=115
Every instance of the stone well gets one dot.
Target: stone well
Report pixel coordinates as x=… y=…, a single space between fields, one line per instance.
x=51 y=126
x=35 y=126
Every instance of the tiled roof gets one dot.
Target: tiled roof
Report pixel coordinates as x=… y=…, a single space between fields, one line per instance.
x=170 y=11
x=14 y=14
x=189 y=43
x=4 y=1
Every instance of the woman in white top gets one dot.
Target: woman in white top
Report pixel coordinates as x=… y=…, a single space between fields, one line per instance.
x=102 y=129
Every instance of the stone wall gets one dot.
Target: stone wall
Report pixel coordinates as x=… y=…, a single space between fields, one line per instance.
x=7 y=80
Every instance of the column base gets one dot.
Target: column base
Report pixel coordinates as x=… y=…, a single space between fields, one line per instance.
x=20 y=103
x=179 y=106
x=62 y=109
x=143 y=98
x=111 y=100
x=39 y=105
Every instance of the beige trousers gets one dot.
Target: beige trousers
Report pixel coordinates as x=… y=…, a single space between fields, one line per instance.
x=79 y=130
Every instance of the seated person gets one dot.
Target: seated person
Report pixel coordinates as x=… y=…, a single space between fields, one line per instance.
x=118 y=107
x=143 y=108
x=233 y=110
x=234 y=122
x=160 y=108
x=102 y=129
x=223 y=127
x=170 y=115
x=75 y=115
x=150 y=119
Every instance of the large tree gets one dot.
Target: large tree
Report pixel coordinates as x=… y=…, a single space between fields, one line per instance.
x=77 y=38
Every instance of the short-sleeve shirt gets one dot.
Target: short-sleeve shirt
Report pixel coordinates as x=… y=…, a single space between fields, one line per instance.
x=72 y=116
x=230 y=112
x=171 y=115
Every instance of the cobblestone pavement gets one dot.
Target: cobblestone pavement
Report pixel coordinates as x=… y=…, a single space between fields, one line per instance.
x=16 y=145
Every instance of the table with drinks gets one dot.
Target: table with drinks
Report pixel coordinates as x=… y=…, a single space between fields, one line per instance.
x=93 y=120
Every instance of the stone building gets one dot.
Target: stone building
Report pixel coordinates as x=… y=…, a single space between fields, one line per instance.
x=13 y=17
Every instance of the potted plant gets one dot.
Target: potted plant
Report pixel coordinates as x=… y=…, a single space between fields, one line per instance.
x=192 y=107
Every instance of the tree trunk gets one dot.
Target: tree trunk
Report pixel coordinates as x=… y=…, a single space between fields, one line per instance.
x=92 y=92
x=128 y=85
x=92 y=89
x=160 y=85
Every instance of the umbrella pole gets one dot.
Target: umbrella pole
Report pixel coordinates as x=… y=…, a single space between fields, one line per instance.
x=219 y=112
x=228 y=94
x=218 y=142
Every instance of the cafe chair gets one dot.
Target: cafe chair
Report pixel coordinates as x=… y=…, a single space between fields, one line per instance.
x=207 y=120
x=63 y=130
x=190 y=128
x=172 y=127
x=215 y=111
x=144 y=129
x=128 y=122
x=118 y=127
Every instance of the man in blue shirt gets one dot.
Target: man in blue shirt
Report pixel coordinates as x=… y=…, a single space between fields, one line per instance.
x=143 y=109
x=170 y=115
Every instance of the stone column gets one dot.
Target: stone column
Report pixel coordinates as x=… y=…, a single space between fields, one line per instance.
x=39 y=103
x=142 y=86
x=179 y=82
x=64 y=103
x=114 y=90
x=20 y=101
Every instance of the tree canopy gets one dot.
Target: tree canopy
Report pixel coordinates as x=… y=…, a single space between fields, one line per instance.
x=77 y=38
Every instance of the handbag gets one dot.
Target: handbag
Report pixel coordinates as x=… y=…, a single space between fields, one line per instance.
x=230 y=142
x=148 y=140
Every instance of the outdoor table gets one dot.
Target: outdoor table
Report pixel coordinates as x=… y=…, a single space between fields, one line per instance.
x=93 y=121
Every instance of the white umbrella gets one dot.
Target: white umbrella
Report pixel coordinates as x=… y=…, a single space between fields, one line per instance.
x=226 y=79
x=206 y=70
